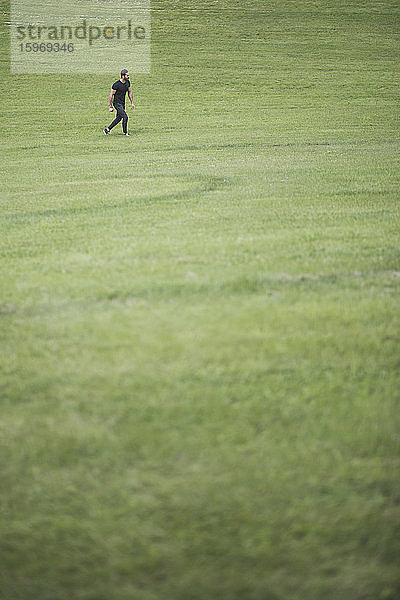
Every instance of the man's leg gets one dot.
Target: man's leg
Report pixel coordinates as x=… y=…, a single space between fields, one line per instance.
x=120 y=115
x=124 y=122
x=115 y=122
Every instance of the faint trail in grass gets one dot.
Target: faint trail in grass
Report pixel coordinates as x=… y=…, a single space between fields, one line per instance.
x=234 y=145
x=208 y=184
x=279 y=287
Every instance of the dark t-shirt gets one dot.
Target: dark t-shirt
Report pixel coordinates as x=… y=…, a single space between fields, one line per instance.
x=120 y=91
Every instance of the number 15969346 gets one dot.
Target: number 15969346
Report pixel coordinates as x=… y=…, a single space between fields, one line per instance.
x=46 y=47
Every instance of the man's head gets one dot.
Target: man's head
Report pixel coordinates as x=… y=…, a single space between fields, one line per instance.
x=125 y=75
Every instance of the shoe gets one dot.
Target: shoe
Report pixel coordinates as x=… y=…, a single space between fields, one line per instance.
x=106 y=131
x=126 y=134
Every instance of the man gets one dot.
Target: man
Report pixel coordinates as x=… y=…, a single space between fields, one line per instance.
x=117 y=98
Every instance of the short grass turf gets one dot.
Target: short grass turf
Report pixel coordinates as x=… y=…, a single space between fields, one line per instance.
x=199 y=324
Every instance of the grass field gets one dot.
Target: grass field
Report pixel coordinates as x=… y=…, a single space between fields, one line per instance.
x=199 y=324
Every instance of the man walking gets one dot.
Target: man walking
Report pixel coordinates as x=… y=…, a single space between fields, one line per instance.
x=117 y=101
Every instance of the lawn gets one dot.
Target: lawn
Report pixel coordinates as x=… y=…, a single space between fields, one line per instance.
x=199 y=324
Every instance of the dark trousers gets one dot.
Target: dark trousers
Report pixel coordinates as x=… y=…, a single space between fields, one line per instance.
x=121 y=116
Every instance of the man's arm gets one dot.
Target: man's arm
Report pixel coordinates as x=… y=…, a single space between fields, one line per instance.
x=131 y=97
x=111 y=99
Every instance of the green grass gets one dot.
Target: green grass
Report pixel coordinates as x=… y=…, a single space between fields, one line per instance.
x=199 y=324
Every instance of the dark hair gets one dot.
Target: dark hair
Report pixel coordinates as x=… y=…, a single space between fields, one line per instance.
x=124 y=72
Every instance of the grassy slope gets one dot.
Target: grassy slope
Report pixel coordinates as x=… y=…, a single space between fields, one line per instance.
x=199 y=324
